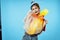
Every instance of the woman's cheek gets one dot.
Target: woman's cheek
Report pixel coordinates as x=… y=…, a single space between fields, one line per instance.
x=33 y=11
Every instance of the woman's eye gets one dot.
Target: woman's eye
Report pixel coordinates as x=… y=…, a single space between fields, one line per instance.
x=32 y=9
x=35 y=8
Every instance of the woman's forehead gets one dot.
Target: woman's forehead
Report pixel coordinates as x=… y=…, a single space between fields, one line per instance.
x=34 y=6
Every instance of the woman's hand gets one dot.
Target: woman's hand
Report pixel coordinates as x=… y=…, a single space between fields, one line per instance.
x=45 y=22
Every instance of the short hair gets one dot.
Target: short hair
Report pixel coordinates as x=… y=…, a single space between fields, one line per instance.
x=36 y=4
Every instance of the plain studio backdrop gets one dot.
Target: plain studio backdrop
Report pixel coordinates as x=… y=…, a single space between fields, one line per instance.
x=14 y=11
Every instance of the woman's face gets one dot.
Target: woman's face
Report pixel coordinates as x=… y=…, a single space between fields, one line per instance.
x=35 y=9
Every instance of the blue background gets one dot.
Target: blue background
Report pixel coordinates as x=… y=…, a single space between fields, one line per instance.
x=14 y=11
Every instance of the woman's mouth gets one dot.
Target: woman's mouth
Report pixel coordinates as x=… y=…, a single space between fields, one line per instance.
x=35 y=11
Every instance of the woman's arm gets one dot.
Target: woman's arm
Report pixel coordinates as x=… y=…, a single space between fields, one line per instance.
x=27 y=21
x=27 y=17
x=44 y=25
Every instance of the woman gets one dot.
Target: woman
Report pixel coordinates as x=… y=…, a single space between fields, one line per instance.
x=30 y=32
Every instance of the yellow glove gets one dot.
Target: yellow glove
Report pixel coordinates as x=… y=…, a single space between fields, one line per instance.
x=44 y=12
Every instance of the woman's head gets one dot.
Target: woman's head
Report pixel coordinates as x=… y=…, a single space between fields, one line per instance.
x=35 y=8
